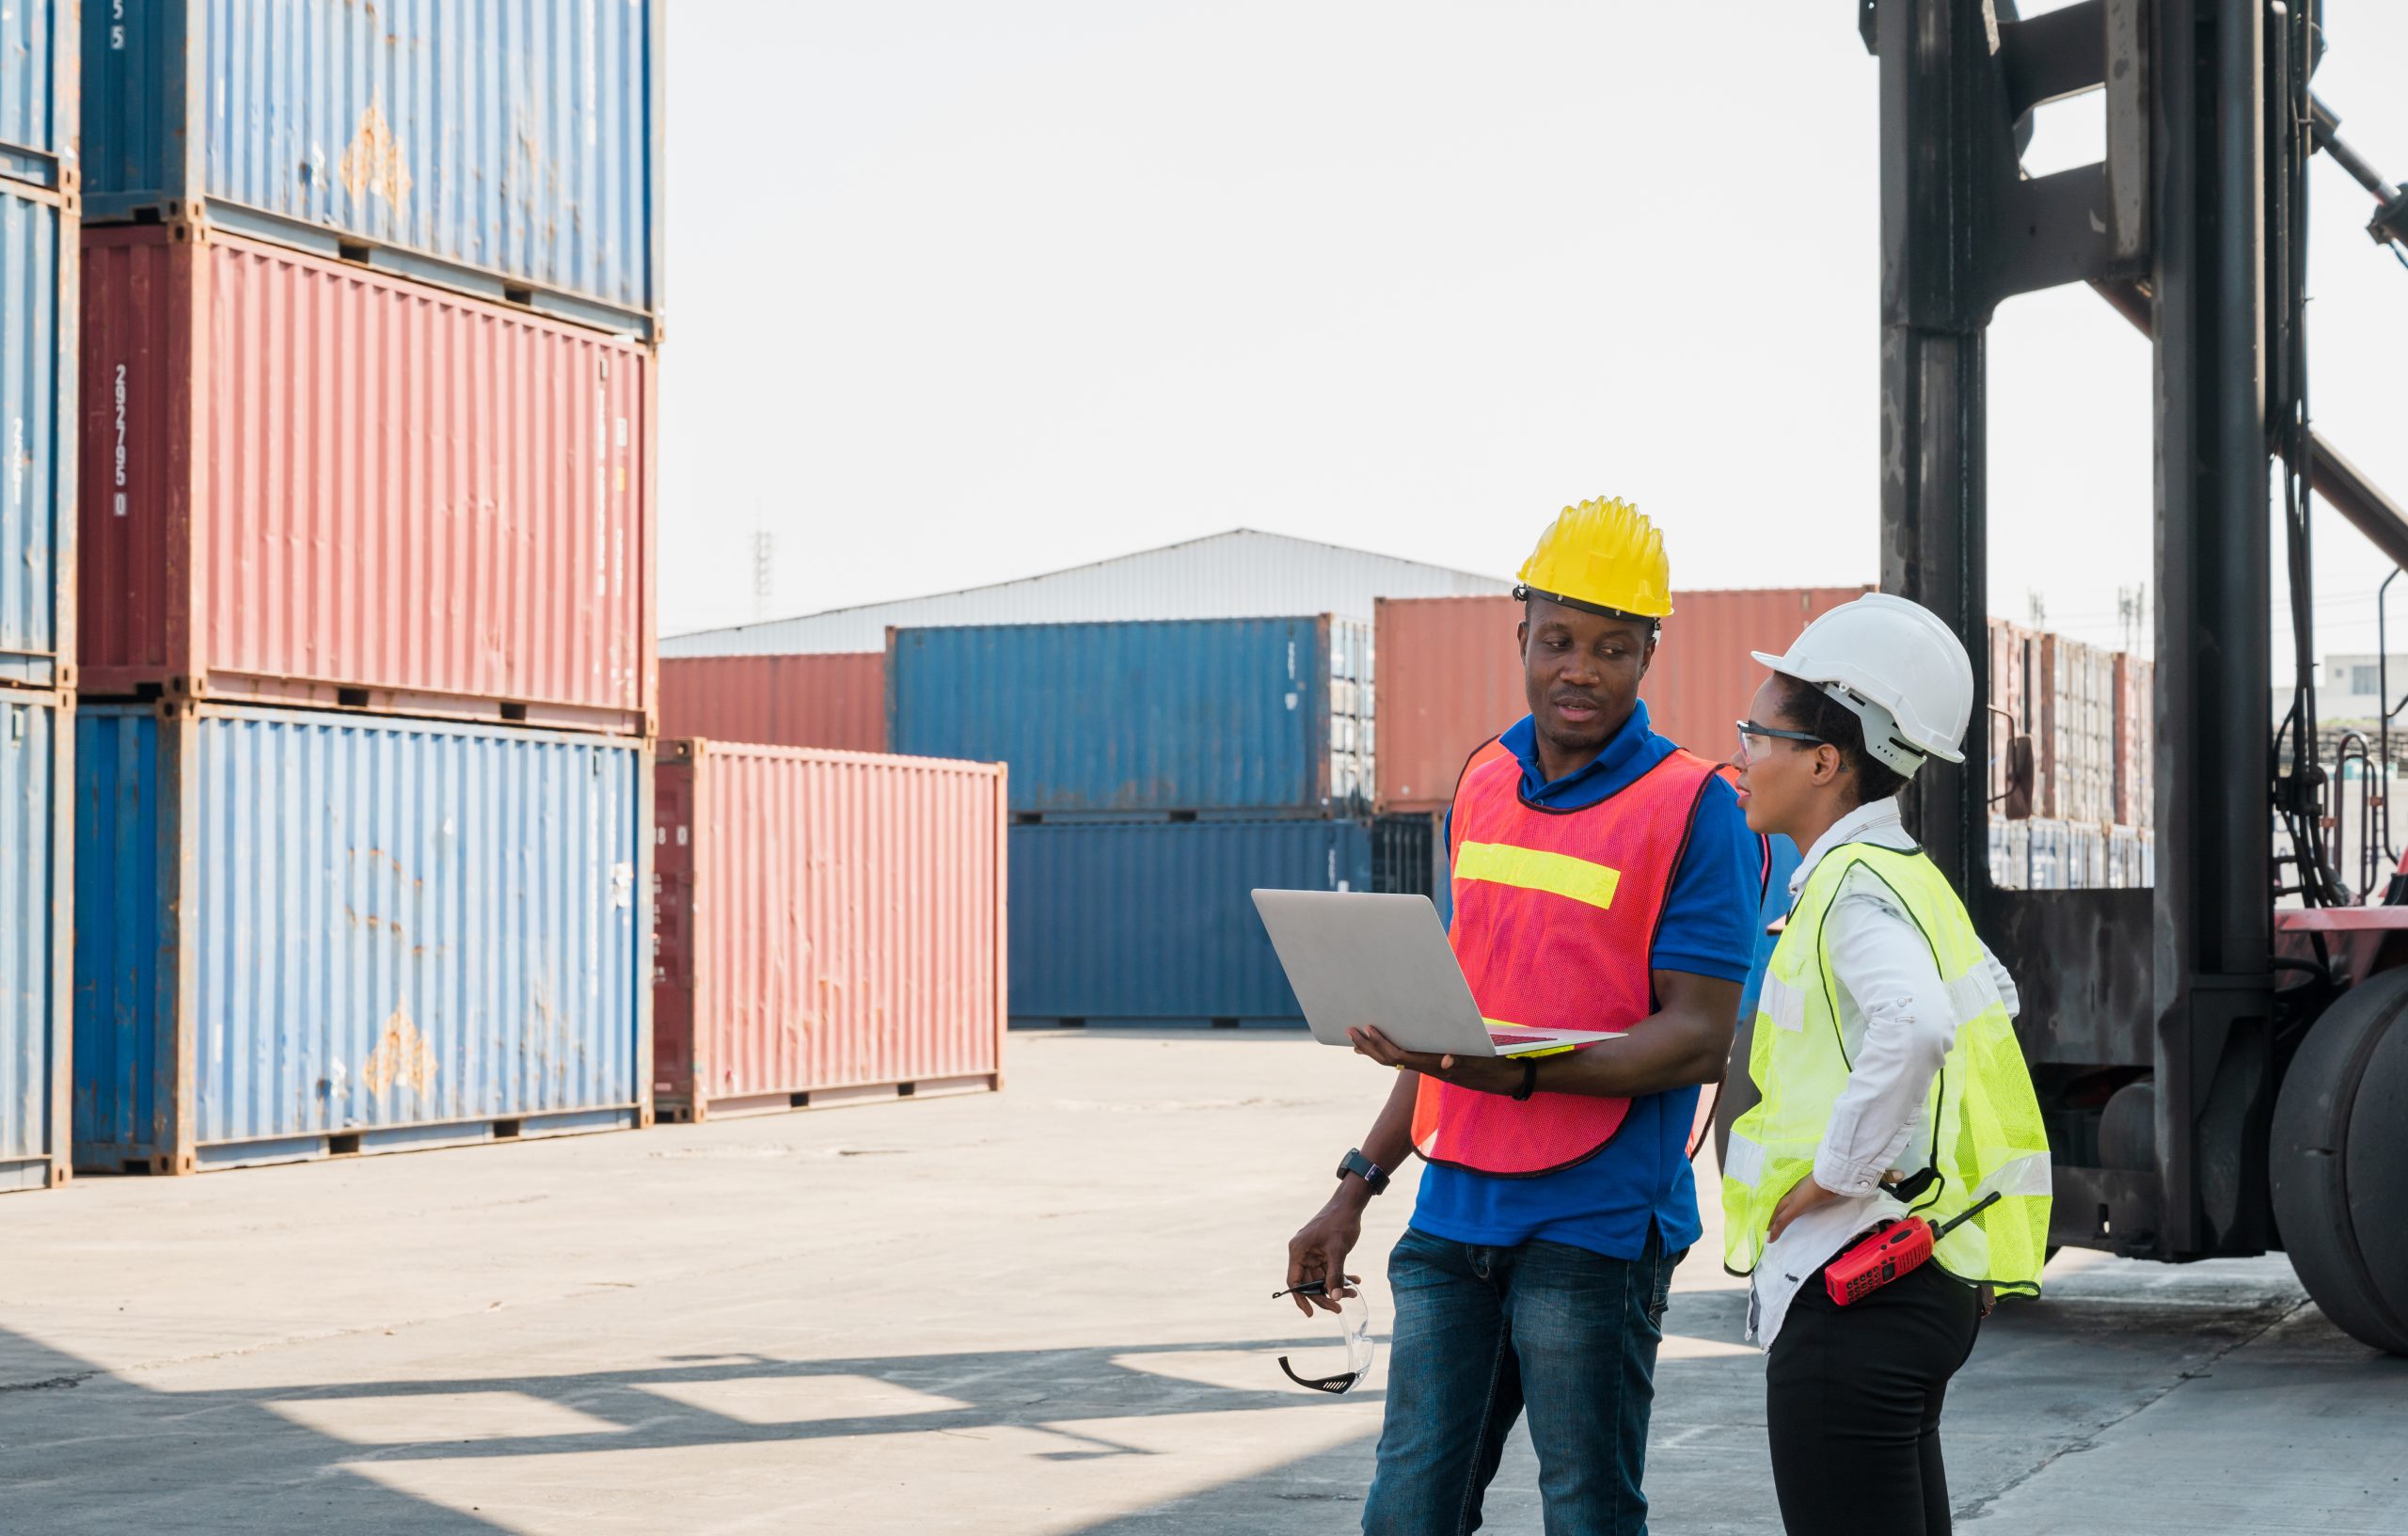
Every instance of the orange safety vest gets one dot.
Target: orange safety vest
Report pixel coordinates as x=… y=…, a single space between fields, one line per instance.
x=1556 y=914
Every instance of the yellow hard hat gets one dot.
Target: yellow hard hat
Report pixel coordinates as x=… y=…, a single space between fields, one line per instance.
x=1600 y=555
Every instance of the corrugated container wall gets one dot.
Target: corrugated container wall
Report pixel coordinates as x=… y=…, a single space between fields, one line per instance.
x=1153 y=922
x=305 y=483
x=1704 y=677
x=301 y=934
x=837 y=701
x=1451 y=677
x=2077 y=747
x=510 y=147
x=38 y=266
x=2135 y=741
x=37 y=847
x=829 y=923
x=1241 y=574
x=39 y=86
x=1265 y=716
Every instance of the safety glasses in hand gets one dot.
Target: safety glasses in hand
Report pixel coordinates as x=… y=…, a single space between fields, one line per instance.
x=1356 y=1329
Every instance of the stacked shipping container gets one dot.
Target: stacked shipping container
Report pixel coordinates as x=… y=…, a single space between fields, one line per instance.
x=1253 y=717
x=1159 y=771
x=2075 y=745
x=302 y=933
x=369 y=415
x=836 y=700
x=309 y=483
x=39 y=192
x=510 y=148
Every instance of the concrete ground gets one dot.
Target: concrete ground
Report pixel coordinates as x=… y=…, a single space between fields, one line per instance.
x=1043 y=1311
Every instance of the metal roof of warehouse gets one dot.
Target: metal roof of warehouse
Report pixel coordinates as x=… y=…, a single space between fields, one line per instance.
x=1241 y=574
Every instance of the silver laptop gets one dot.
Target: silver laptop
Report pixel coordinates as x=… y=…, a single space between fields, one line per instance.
x=1357 y=960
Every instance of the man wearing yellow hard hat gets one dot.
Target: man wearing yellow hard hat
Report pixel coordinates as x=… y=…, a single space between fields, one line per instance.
x=1602 y=879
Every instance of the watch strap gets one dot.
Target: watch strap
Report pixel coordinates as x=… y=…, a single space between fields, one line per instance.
x=1529 y=1080
x=1365 y=1169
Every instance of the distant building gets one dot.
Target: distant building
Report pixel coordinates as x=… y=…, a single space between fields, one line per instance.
x=1242 y=574
x=2349 y=687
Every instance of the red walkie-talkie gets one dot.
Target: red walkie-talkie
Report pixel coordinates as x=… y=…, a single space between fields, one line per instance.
x=1891 y=1251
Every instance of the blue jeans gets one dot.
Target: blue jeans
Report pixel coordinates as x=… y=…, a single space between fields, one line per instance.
x=1484 y=1333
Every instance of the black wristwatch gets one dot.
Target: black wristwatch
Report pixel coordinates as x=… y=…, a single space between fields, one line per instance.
x=1529 y=1080
x=1365 y=1169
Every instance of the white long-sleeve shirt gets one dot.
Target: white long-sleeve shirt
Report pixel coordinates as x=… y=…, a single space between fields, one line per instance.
x=1897 y=1024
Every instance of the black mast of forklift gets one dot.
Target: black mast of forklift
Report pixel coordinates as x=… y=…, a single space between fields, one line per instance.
x=2160 y=1001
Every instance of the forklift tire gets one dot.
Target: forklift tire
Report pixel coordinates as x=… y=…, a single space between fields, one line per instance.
x=2340 y=1162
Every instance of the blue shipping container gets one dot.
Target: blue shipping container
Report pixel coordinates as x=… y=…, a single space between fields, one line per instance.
x=38 y=313
x=37 y=743
x=1261 y=717
x=1153 y=922
x=495 y=147
x=300 y=934
x=37 y=89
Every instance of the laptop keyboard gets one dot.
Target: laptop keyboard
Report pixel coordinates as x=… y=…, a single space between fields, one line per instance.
x=1499 y=1036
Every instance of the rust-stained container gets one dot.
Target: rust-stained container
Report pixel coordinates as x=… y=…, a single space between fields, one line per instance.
x=303 y=934
x=508 y=148
x=836 y=701
x=1450 y=676
x=305 y=483
x=831 y=927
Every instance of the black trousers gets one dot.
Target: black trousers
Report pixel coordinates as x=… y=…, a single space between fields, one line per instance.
x=1852 y=1398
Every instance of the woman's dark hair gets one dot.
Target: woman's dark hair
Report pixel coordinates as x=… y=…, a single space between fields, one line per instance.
x=1816 y=712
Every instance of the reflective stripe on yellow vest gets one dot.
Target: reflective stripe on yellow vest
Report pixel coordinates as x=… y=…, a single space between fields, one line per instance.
x=1986 y=1130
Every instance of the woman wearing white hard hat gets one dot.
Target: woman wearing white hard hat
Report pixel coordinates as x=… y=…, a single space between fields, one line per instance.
x=1894 y=1091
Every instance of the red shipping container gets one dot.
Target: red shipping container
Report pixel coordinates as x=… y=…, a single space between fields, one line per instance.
x=1444 y=677
x=836 y=700
x=307 y=482
x=831 y=928
x=1449 y=676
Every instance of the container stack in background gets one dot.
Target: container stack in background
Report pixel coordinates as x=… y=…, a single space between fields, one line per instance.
x=367 y=513
x=1159 y=771
x=2088 y=713
x=40 y=195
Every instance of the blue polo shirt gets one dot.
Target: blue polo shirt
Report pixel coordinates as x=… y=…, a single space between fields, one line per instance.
x=1722 y=896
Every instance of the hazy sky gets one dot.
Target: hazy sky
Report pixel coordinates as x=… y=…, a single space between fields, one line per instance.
x=963 y=290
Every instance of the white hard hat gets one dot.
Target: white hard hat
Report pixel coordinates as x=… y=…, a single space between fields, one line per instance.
x=1904 y=673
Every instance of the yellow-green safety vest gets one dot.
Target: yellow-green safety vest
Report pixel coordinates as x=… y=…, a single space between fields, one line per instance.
x=1986 y=1130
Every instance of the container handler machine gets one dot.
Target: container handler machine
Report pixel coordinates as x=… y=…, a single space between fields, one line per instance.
x=2223 y=1058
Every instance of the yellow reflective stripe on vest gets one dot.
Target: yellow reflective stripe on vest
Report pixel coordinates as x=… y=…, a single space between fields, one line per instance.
x=1535 y=869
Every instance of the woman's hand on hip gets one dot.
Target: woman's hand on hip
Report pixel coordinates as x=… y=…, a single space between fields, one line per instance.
x=1803 y=1195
